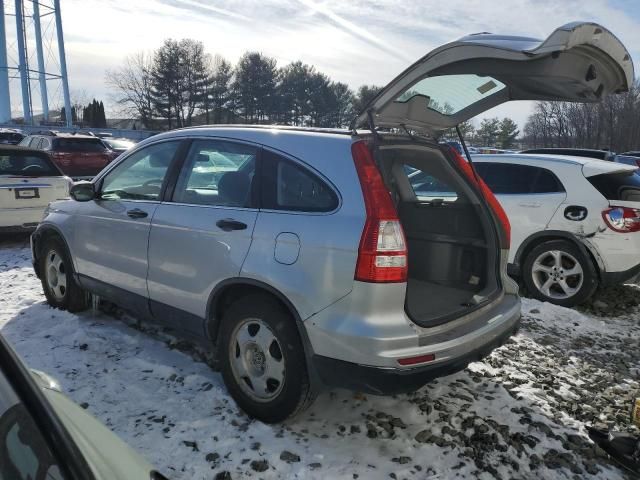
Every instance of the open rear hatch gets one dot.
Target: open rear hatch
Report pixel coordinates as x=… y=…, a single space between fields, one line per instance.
x=453 y=237
x=578 y=62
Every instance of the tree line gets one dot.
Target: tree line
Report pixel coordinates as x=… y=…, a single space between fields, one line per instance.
x=492 y=132
x=180 y=85
x=613 y=124
x=91 y=115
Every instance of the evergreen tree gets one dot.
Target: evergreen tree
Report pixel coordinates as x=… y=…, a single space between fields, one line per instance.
x=254 y=87
x=507 y=133
x=488 y=132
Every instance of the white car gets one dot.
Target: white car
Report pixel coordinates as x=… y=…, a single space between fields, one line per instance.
x=29 y=180
x=575 y=221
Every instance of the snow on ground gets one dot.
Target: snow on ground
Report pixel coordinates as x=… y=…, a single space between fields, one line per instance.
x=519 y=414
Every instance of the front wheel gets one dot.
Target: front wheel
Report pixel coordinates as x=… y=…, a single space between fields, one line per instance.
x=558 y=272
x=56 y=274
x=262 y=359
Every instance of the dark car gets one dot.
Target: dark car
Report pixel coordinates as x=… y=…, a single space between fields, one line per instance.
x=45 y=436
x=635 y=153
x=628 y=159
x=78 y=156
x=10 y=137
x=576 y=152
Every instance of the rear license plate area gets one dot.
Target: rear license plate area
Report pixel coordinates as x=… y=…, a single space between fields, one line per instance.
x=26 y=193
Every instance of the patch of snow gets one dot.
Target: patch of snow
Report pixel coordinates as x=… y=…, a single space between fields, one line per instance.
x=521 y=413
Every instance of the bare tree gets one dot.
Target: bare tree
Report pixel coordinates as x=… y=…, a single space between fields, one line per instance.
x=133 y=85
x=613 y=124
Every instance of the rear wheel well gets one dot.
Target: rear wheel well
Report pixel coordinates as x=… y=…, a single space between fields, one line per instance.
x=546 y=238
x=229 y=294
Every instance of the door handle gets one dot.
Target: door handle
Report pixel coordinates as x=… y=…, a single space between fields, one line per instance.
x=137 y=213
x=228 y=224
x=530 y=205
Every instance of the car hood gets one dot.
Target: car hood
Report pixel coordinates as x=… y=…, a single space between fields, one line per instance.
x=578 y=62
x=108 y=457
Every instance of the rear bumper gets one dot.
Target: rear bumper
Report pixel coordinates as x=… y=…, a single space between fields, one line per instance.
x=357 y=342
x=20 y=219
x=390 y=381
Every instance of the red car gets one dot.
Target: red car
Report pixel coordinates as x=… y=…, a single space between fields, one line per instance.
x=78 y=156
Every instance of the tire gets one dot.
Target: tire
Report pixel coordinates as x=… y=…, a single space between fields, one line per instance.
x=558 y=272
x=262 y=359
x=56 y=275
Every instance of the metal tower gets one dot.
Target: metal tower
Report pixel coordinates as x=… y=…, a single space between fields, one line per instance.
x=38 y=24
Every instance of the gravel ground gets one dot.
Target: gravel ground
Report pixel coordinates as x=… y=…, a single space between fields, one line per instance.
x=521 y=413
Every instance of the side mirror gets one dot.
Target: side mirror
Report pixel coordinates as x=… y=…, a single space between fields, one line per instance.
x=82 y=191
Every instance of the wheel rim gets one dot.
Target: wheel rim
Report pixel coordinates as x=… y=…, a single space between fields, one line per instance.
x=557 y=274
x=257 y=361
x=56 y=275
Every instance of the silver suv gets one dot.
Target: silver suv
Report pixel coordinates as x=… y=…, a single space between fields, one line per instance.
x=313 y=258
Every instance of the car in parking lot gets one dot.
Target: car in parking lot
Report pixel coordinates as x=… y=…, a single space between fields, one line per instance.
x=29 y=181
x=575 y=221
x=317 y=261
x=10 y=136
x=118 y=145
x=45 y=436
x=78 y=156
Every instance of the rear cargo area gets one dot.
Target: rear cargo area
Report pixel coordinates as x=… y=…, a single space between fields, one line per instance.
x=452 y=246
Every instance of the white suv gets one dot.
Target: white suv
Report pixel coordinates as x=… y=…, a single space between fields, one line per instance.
x=575 y=221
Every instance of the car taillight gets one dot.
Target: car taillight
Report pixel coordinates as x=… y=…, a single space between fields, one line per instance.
x=382 y=254
x=622 y=219
x=488 y=195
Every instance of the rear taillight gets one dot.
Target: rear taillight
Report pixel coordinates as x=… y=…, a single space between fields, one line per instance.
x=488 y=196
x=382 y=254
x=622 y=219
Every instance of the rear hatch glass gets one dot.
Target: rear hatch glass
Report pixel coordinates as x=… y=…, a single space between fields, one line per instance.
x=22 y=165
x=618 y=186
x=93 y=145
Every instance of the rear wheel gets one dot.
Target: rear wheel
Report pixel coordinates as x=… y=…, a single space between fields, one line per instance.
x=558 y=272
x=262 y=359
x=56 y=274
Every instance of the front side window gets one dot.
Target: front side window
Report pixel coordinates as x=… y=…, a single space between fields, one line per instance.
x=141 y=175
x=217 y=173
x=289 y=186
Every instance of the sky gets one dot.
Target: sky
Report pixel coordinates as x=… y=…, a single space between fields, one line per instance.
x=355 y=41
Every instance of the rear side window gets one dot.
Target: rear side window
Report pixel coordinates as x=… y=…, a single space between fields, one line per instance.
x=26 y=165
x=289 y=186
x=512 y=179
x=79 y=145
x=618 y=186
x=427 y=186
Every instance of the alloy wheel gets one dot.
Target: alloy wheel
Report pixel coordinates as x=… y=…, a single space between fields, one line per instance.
x=56 y=275
x=257 y=361
x=557 y=274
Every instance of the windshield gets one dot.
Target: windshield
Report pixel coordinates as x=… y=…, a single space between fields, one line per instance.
x=79 y=145
x=119 y=143
x=26 y=165
x=449 y=94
